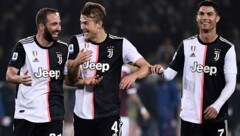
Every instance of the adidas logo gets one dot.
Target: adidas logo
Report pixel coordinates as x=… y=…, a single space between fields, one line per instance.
x=35 y=60
x=192 y=55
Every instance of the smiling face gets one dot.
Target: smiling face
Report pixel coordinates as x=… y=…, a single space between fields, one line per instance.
x=90 y=27
x=52 y=27
x=207 y=19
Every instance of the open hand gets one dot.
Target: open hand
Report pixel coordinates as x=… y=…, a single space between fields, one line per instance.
x=127 y=81
x=83 y=56
x=25 y=79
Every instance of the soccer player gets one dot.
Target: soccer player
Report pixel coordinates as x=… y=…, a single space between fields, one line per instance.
x=97 y=108
x=208 y=62
x=131 y=95
x=38 y=68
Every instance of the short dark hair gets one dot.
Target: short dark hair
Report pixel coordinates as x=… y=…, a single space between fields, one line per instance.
x=41 y=16
x=94 y=10
x=209 y=3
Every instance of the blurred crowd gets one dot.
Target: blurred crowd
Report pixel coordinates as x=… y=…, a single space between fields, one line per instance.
x=155 y=27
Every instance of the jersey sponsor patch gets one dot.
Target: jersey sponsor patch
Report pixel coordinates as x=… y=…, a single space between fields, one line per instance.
x=71 y=49
x=98 y=66
x=211 y=70
x=15 y=56
x=45 y=73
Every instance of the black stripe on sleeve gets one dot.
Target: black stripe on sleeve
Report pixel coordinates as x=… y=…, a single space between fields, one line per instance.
x=178 y=60
x=73 y=48
x=18 y=56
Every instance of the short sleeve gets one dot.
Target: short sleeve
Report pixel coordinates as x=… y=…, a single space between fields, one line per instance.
x=73 y=48
x=230 y=62
x=130 y=53
x=18 y=56
x=178 y=59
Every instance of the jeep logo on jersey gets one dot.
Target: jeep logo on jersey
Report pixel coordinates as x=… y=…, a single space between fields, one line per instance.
x=98 y=66
x=46 y=73
x=206 y=69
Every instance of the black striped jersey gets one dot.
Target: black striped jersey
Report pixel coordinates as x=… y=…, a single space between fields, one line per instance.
x=43 y=101
x=101 y=100
x=203 y=66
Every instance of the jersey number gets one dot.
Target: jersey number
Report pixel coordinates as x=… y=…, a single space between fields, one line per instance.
x=115 y=127
x=221 y=131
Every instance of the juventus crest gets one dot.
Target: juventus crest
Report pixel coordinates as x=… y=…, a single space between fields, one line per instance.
x=110 y=51
x=217 y=54
x=59 y=56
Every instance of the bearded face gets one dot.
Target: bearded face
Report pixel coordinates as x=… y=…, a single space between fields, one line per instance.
x=48 y=36
x=52 y=27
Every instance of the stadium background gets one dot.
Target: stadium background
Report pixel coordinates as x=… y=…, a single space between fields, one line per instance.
x=153 y=26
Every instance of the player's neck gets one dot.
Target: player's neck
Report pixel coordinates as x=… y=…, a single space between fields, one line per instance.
x=208 y=37
x=42 y=41
x=101 y=36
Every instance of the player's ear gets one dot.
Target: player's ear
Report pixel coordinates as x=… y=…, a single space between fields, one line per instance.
x=217 y=19
x=99 y=24
x=196 y=18
x=41 y=26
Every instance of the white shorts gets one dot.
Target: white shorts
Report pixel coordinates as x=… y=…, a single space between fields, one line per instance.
x=125 y=126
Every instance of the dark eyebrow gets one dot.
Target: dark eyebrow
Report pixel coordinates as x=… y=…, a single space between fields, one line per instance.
x=202 y=12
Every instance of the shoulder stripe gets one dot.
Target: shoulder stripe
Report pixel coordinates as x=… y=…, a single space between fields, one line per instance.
x=78 y=35
x=114 y=37
x=27 y=40
x=226 y=41
x=59 y=41
x=191 y=38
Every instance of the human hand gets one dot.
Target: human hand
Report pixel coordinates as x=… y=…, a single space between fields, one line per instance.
x=145 y=114
x=92 y=81
x=83 y=56
x=210 y=113
x=157 y=69
x=25 y=79
x=127 y=81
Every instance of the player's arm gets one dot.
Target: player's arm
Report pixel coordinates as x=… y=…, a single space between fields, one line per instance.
x=73 y=68
x=230 y=70
x=16 y=62
x=76 y=58
x=212 y=111
x=91 y=81
x=74 y=65
x=73 y=71
x=142 y=72
x=143 y=69
x=131 y=68
x=175 y=66
x=130 y=54
x=13 y=77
